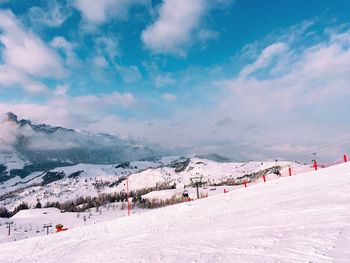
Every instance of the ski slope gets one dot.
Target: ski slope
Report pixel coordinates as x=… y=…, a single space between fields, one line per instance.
x=303 y=218
x=29 y=223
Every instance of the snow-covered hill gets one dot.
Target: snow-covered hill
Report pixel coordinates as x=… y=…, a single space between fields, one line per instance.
x=68 y=183
x=302 y=218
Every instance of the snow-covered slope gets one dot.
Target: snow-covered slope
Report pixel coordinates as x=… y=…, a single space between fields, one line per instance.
x=29 y=223
x=303 y=218
x=90 y=180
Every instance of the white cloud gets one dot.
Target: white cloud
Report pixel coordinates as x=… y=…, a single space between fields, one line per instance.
x=129 y=74
x=313 y=76
x=173 y=29
x=7 y=135
x=164 y=80
x=25 y=51
x=299 y=108
x=107 y=47
x=265 y=58
x=61 y=90
x=98 y=12
x=54 y=15
x=67 y=47
x=169 y=97
x=100 y=61
x=71 y=112
x=10 y=76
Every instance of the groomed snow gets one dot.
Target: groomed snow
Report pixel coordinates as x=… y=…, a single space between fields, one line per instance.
x=303 y=218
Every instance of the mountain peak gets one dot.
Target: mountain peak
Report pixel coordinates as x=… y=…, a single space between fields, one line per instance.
x=11 y=118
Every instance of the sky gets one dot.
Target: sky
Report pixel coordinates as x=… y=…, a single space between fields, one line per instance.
x=247 y=79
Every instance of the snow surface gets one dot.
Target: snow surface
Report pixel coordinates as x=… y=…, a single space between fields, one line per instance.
x=12 y=161
x=29 y=223
x=303 y=218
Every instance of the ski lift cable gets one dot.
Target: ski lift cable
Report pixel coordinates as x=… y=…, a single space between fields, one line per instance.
x=323 y=148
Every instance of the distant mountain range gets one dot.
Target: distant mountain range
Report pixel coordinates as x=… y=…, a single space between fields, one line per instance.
x=38 y=147
x=33 y=147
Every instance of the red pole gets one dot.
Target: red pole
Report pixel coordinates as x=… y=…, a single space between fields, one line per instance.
x=315 y=165
x=290 y=171
x=345 y=159
x=264 y=178
x=128 y=195
x=245 y=184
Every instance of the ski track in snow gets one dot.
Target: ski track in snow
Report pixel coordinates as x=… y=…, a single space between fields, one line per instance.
x=303 y=218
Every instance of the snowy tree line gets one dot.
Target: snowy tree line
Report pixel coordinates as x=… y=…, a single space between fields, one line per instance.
x=81 y=204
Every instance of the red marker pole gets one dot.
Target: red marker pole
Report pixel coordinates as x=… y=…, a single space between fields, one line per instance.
x=345 y=159
x=315 y=165
x=128 y=196
x=290 y=171
x=264 y=178
x=245 y=184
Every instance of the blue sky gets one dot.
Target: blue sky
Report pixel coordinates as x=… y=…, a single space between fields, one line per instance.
x=249 y=79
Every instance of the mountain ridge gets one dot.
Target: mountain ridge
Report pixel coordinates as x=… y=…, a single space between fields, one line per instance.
x=54 y=146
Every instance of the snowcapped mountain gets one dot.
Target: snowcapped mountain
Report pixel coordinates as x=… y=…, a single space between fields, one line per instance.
x=26 y=147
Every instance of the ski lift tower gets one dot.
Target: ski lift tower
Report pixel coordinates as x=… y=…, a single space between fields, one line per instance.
x=197 y=181
x=47 y=226
x=9 y=223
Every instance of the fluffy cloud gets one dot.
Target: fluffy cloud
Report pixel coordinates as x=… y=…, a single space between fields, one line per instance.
x=163 y=81
x=61 y=90
x=7 y=135
x=108 y=46
x=99 y=12
x=100 y=61
x=312 y=76
x=300 y=107
x=106 y=52
x=265 y=58
x=10 y=76
x=25 y=57
x=60 y=43
x=129 y=74
x=53 y=15
x=179 y=24
x=71 y=112
x=172 y=31
x=25 y=51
